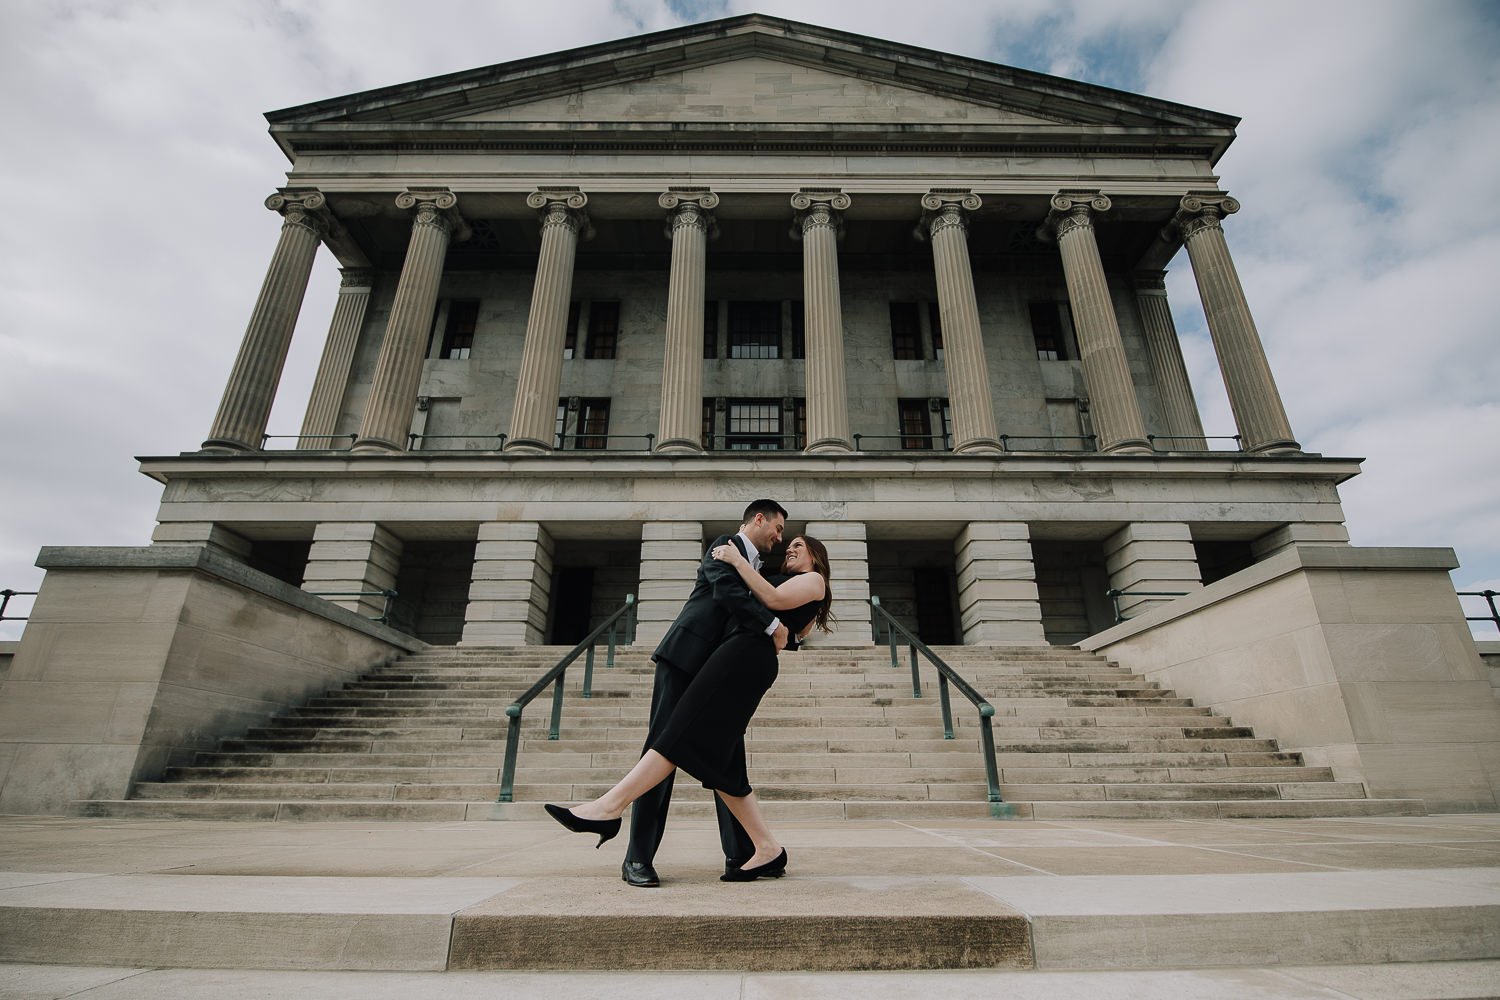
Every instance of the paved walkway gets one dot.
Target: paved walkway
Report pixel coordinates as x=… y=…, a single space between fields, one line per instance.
x=1202 y=908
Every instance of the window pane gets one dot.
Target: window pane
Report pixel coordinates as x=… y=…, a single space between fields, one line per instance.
x=906 y=334
x=458 y=334
x=754 y=425
x=755 y=329
x=1046 y=330
x=570 y=341
x=935 y=321
x=604 y=329
x=710 y=330
x=799 y=331
x=915 y=427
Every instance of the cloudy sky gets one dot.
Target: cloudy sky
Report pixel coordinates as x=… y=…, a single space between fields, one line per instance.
x=1368 y=164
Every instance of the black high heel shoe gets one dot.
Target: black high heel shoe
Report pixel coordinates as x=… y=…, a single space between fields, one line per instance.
x=775 y=868
x=605 y=828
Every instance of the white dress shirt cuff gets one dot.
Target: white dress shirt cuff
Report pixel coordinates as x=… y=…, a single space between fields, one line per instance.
x=771 y=628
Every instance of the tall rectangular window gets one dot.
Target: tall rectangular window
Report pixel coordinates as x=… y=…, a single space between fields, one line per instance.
x=935 y=322
x=799 y=417
x=604 y=329
x=710 y=330
x=458 y=332
x=570 y=332
x=906 y=332
x=1047 y=331
x=708 y=425
x=754 y=425
x=799 y=331
x=755 y=329
x=586 y=428
x=916 y=425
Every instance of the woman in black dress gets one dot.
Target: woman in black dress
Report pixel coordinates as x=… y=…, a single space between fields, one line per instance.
x=705 y=735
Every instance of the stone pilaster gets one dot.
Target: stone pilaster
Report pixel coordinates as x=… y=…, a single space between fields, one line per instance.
x=1300 y=533
x=508 y=593
x=670 y=554
x=398 y=372
x=998 y=602
x=240 y=423
x=533 y=422
x=690 y=224
x=351 y=558
x=1151 y=556
x=332 y=379
x=945 y=221
x=819 y=222
x=849 y=565
x=1252 y=392
x=1112 y=400
x=1179 y=409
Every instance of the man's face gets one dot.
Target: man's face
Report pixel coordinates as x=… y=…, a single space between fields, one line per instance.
x=766 y=534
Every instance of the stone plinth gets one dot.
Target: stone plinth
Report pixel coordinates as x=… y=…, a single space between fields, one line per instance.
x=353 y=563
x=671 y=552
x=997 y=592
x=1151 y=558
x=849 y=566
x=508 y=596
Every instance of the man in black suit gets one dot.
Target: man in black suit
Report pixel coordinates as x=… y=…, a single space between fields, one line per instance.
x=719 y=605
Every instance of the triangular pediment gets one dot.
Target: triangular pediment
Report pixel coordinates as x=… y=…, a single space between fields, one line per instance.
x=756 y=70
x=754 y=88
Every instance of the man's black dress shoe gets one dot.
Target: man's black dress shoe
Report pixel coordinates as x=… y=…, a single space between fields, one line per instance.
x=605 y=828
x=639 y=874
x=775 y=868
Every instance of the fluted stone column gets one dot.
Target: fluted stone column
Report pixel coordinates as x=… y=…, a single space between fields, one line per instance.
x=819 y=223
x=1179 y=409
x=690 y=224
x=1112 y=399
x=1257 y=406
x=533 y=422
x=350 y=558
x=338 y=354
x=998 y=601
x=398 y=372
x=670 y=554
x=510 y=586
x=1156 y=557
x=945 y=222
x=240 y=423
x=849 y=566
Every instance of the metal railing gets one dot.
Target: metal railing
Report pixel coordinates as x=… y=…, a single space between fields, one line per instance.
x=556 y=676
x=946 y=676
x=383 y=618
x=5 y=596
x=413 y=439
x=1151 y=439
x=1488 y=595
x=929 y=442
x=584 y=441
x=1115 y=595
x=310 y=437
x=1089 y=442
x=755 y=442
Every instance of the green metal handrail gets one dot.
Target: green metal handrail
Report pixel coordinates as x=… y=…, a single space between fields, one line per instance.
x=353 y=439
x=1115 y=595
x=946 y=675
x=556 y=677
x=933 y=442
x=5 y=596
x=1488 y=595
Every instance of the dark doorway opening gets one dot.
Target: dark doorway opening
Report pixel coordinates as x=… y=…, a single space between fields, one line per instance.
x=934 y=606
x=573 y=599
x=285 y=560
x=433 y=589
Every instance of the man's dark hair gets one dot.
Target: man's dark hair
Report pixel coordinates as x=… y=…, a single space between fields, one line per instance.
x=770 y=508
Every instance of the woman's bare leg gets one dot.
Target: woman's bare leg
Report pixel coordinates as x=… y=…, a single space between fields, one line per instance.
x=648 y=772
x=747 y=810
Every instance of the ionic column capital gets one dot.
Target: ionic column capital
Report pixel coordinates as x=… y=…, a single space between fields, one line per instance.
x=304 y=207
x=562 y=207
x=1149 y=282
x=689 y=207
x=819 y=208
x=356 y=277
x=435 y=207
x=1072 y=210
x=946 y=209
x=1199 y=210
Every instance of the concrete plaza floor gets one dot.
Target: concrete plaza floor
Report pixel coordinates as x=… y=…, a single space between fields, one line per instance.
x=1398 y=907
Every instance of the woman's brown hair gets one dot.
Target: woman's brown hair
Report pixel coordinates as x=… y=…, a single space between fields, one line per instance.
x=819 y=553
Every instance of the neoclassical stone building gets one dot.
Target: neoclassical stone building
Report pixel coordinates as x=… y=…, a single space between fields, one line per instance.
x=595 y=301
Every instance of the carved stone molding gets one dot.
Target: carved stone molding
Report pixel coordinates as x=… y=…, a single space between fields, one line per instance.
x=357 y=277
x=1199 y=210
x=689 y=207
x=1149 y=282
x=305 y=207
x=819 y=208
x=437 y=207
x=562 y=206
x=1072 y=210
x=946 y=209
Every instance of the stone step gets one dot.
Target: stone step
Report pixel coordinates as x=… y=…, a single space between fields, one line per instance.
x=1178 y=792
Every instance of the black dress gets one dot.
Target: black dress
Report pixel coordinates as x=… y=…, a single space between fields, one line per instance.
x=705 y=735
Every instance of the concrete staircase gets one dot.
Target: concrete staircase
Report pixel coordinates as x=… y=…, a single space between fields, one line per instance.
x=839 y=736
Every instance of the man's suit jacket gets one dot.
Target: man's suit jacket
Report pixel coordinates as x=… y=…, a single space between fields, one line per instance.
x=720 y=603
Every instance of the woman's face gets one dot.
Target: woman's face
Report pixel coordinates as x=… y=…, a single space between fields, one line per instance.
x=798 y=559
